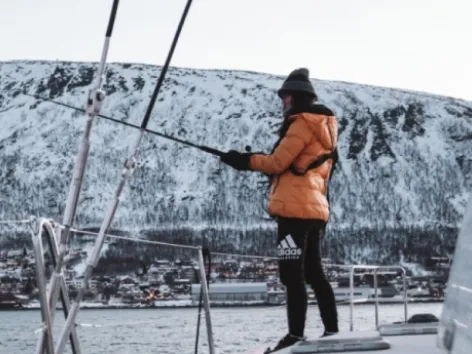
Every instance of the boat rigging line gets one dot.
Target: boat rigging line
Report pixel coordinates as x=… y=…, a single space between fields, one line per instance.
x=129 y=166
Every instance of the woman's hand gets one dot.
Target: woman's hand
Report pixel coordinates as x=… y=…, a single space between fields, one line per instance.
x=238 y=161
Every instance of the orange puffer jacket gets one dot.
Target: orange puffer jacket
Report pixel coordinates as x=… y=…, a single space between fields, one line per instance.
x=310 y=135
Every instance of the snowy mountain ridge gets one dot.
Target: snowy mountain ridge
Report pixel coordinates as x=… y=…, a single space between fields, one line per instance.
x=405 y=157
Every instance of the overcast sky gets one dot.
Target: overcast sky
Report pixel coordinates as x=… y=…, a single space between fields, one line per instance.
x=423 y=45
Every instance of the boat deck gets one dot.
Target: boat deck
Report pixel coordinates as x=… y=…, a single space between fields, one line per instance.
x=412 y=344
x=371 y=341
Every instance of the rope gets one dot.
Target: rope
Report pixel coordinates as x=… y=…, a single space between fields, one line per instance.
x=137 y=240
x=243 y=255
x=21 y=221
x=168 y=244
x=159 y=243
x=149 y=242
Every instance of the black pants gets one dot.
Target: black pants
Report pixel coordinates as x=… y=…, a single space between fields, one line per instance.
x=299 y=254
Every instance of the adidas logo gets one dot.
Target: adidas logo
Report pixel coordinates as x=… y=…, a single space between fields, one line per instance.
x=287 y=249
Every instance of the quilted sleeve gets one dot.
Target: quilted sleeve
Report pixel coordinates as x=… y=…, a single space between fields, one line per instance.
x=296 y=139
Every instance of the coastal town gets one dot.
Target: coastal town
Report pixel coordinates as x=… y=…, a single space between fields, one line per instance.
x=232 y=282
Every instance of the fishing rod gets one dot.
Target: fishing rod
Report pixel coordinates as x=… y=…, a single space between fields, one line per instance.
x=162 y=135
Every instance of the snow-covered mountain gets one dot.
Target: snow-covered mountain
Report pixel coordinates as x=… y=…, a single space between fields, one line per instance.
x=400 y=189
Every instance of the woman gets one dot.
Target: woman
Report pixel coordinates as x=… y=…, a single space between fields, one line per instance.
x=300 y=166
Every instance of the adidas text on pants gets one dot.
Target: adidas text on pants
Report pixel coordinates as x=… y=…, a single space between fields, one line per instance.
x=287 y=249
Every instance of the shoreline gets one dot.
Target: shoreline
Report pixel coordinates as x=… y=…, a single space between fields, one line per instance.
x=222 y=305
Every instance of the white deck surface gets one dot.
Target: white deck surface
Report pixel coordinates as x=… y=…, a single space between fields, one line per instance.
x=407 y=344
x=414 y=344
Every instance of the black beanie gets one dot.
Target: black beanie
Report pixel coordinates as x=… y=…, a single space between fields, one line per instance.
x=297 y=81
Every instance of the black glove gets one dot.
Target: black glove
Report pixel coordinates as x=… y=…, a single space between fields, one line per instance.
x=237 y=160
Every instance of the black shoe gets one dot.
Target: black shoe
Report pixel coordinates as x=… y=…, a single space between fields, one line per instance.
x=285 y=342
x=328 y=333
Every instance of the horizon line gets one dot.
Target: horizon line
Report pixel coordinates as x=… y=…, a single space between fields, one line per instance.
x=281 y=76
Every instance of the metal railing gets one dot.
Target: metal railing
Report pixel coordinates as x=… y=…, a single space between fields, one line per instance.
x=375 y=268
x=48 y=302
x=48 y=228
